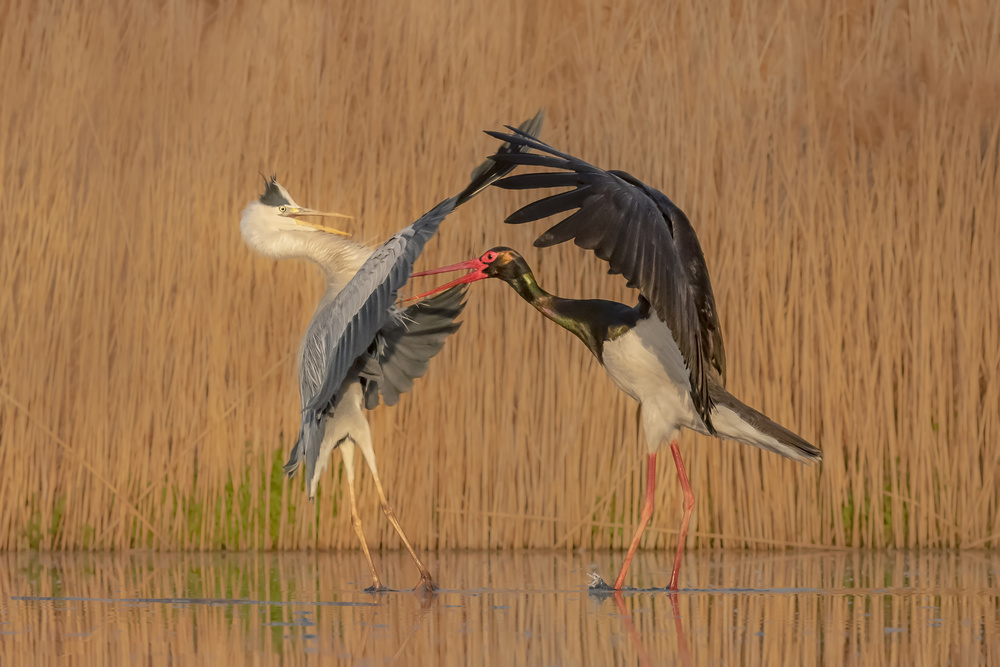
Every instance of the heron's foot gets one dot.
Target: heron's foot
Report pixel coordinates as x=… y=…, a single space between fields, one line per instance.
x=597 y=583
x=376 y=587
x=426 y=585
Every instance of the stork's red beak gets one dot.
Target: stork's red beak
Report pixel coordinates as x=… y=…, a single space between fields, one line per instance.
x=477 y=266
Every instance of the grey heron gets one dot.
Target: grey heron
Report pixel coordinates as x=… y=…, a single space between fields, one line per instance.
x=359 y=347
x=667 y=351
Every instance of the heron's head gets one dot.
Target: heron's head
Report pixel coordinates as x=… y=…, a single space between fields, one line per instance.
x=273 y=222
x=499 y=262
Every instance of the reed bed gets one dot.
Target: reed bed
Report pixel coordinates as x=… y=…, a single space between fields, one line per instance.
x=839 y=163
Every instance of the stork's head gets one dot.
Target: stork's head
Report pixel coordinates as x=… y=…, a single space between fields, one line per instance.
x=499 y=262
x=273 y=223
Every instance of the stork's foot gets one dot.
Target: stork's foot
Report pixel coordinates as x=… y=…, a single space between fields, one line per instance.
x=426 y=585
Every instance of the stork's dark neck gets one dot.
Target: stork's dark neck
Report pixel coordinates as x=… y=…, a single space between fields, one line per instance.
x=593 y=321
x=524 y=284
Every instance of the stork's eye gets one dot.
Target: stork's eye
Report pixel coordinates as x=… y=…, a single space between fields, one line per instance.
x=489 y=257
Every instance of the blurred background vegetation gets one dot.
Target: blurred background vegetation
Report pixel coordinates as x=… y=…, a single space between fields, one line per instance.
x=839 y=162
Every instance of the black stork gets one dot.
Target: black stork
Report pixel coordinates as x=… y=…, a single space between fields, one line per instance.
x=667 y=351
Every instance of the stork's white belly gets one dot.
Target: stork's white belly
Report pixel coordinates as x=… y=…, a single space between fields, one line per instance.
x=647 y=365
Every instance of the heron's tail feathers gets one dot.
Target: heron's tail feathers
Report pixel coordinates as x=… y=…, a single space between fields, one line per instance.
x=294 y=459
x=307 y=449
x=734 y=419
x=489 y=171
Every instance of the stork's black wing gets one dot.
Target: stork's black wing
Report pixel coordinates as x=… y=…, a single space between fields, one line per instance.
x=641 y=234
x=405 y=346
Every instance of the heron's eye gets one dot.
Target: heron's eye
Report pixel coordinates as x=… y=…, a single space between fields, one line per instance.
x=282 y=209
x=489 y=257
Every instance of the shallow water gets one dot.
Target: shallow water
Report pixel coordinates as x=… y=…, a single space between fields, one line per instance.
x=502 y=608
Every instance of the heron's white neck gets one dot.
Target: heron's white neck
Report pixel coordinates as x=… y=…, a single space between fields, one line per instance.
x=338 y=256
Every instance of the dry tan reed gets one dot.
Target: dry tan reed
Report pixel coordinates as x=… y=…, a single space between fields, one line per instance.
x=527 y=608
x=838 y=162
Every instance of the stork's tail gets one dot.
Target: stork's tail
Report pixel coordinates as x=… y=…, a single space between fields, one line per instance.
x=736 y=420
x=489 y=171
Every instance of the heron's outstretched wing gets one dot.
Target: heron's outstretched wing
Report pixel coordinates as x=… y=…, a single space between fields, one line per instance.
x=405 y=346
x=490 y=170
x=343 y=329
x=641 y=234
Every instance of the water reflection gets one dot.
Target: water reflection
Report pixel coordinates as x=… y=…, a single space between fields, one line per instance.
x=503 y=608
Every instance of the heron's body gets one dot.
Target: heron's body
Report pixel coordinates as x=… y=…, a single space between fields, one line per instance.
x=666 y=352
x=268 y=230
x=359 y=348
x=346 y=424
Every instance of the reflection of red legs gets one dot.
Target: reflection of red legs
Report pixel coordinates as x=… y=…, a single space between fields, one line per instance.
x=688 y=509
x=633 y=635
x=682 y=645
x=647 y=511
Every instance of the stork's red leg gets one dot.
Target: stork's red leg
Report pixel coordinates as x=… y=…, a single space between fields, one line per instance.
x=640 y=648
x=647 y=511
x=688 y=509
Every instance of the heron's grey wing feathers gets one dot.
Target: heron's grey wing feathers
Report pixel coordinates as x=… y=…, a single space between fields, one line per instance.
x=361 y=309
x=318 y=380
x=343 y=329
x=409 y=342
x=490 y=170
x=642 y=235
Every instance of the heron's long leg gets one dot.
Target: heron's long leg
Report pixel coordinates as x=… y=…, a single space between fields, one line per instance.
x=363 y=438
x=347 y=451
x=426 y=580
x=647 y=511
x=688 y=509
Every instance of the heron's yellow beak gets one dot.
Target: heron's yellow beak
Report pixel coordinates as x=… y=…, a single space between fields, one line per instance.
x=298 y=213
